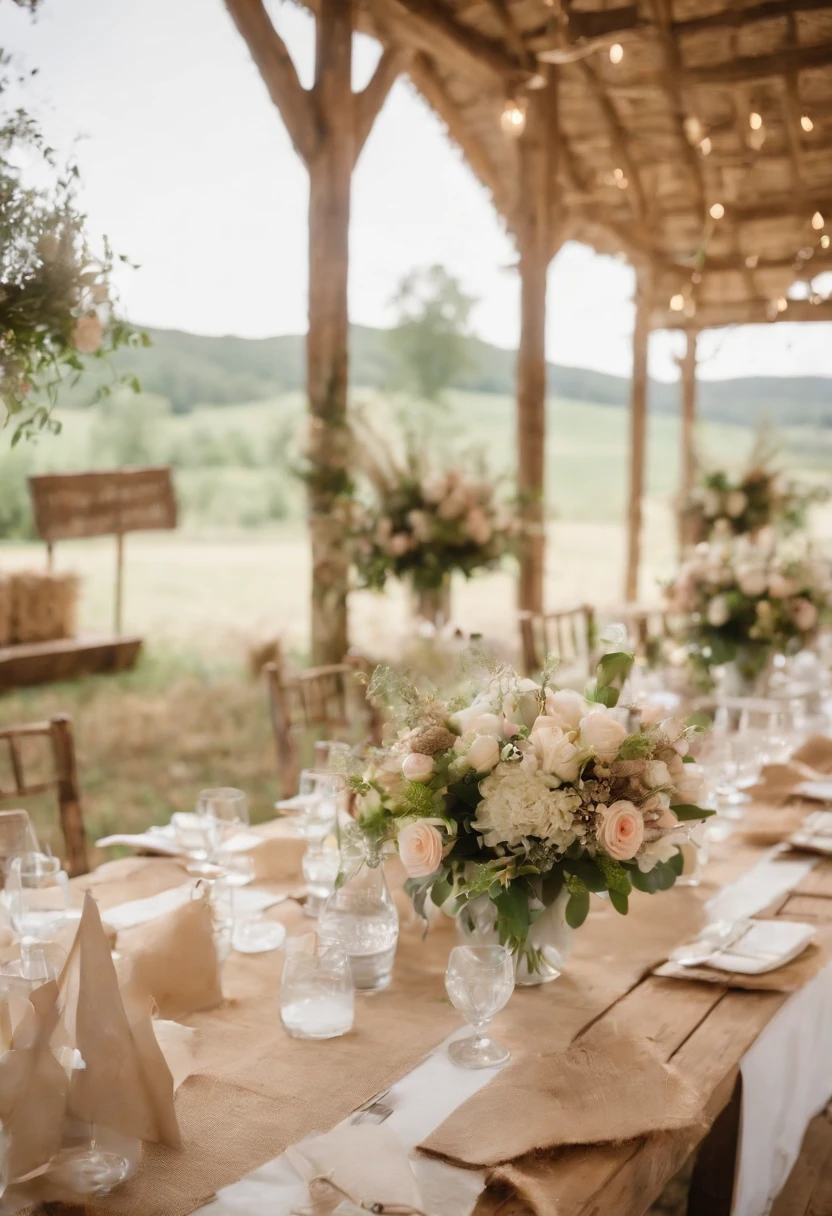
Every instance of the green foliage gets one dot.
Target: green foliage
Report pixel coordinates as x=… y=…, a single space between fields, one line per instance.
x=428 y=343
x=685 y=812
x=610 y=675
x=16 y=520
x=577 y=909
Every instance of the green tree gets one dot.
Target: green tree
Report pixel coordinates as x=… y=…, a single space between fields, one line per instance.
x=429 y=342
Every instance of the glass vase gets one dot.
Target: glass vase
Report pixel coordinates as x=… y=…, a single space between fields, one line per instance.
x=548 y=944
x=361 y=918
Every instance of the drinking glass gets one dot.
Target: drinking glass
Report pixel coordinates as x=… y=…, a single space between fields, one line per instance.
x=225 y=811
x=17 y=836
x=319 y=811
x=320 y=870
x=37 y=892
x=361 y=918
x=39 y=962
x=479 y=980
x=194 y=836
x=317 y=1000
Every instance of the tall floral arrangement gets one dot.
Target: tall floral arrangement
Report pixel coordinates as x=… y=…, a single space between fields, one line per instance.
x=739 y=601
x=421 y=524
x=525 y=792
x=760 y=497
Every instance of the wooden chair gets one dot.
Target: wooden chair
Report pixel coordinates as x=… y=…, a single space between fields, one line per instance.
x=321 y=699
x=63 y=778
x=647 y=628
x=569 y=633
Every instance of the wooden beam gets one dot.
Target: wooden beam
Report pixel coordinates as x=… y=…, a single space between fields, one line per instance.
x=759 y=67
x=638 y=430
x=427 y=79
x=434 y=29
x=736 y=18
x=790 y=100
x=672 y=59
x=746 y=312
x=511 y=33
x=617 y=135
x=534 y=240
x=370 y=100
x=269 y=52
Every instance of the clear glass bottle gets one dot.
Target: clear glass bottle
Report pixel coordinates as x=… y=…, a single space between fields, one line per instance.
x=361 y=918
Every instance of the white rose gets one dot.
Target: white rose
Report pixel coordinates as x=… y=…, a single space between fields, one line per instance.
x=483 y=753
x=780 y=587
x=416 y=767
x=718 y=612
x=463 y=720
x=487 y=724
x=657 y=773
x=735 y=503
x=555 y=754
x=566 y=707
x=602 y=734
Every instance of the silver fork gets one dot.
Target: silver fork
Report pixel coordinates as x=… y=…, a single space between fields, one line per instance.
x=374 y=1110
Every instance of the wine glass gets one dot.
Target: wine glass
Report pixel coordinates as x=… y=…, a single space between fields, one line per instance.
x=225 y=811
x=479 y=980
x=37 y=893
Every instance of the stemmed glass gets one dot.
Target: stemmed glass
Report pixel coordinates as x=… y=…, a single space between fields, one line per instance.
x=225 y=811
x=479 y=980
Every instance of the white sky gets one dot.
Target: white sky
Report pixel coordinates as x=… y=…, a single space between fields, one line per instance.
x=187 y=167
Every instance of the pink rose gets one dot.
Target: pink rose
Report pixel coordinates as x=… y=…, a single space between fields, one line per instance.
x=621 y=831
x=416 y=767
x=420 y=848
x=87 y=334
x=805 y=614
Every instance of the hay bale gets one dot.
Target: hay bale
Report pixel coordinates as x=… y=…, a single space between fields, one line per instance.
x=5 y=609
x=43 y=606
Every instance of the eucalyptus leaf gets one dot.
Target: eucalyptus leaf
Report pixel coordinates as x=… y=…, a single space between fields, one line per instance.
x=577 y=909
x=620 y=902
x=686 y=811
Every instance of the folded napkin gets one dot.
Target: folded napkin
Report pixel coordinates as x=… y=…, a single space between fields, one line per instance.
x=357 y=1167
x=815 y=753
x=551 y=1100
x=276 y=848
x=789 y=978
x=174 y=958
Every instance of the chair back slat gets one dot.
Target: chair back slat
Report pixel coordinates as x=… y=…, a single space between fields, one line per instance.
x=569 y=633
x=321 y=698
x=63 y=779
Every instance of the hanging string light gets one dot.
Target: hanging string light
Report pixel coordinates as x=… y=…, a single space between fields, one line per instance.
x=806 y=123
x=513 y=117
x=616 y=52
x=825 y=241
x=705 y=146
x=755 y=120
x=717 y=211
x=694 y=129
x=677 y=302
x=817 y=221
x=782 y=304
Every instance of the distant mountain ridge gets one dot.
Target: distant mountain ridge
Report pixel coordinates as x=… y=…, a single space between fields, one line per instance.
x=192 y=369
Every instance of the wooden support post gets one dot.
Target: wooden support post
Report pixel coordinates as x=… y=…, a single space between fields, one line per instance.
x=534 y=238
x=50 y=557
x=119 y=581
x=328 y=126
x=687 y=428
x=638 y=430
x=69 y=795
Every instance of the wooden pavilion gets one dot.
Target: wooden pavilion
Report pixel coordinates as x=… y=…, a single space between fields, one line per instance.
x=692 y=136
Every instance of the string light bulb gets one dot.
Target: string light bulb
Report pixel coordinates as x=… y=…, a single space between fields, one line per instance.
x=705 y=146
x=677 y=302
x=513 y=117
x=806 y=123
x=694 y=130
x=616 y=52
x=755 y=120
x=782 y=304
x=817 y=221
x=717 y=211
x=825 y=241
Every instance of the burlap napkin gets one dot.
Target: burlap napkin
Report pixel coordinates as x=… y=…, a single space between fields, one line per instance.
x=279 y=857
x=777 y=785
x=174 y=959
x=125 y=1084
x=815 y=753
x=365 y=1163
x=605 y=1088
x=789 y=978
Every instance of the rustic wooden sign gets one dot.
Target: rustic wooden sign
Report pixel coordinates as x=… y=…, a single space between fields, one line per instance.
x=71 y=505
x=68 y=506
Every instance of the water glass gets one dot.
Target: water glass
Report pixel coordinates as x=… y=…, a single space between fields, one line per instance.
x=37 y=892
x=479 y=980
x=225 y=812
x=361 y=918
x=320 y=870
x=694 y=852
x=39 y=962
x=319 y=793
x=316 y=993
x=17 y=836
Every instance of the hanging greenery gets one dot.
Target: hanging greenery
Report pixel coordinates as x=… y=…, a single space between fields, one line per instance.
x=57 y=308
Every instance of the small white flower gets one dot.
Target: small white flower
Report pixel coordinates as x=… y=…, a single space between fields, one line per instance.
x=718 y=613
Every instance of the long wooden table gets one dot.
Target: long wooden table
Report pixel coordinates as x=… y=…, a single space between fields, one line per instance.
x=705 y=1029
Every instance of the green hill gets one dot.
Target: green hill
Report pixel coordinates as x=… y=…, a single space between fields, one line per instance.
x=190 y=370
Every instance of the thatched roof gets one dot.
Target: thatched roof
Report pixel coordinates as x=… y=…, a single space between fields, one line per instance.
x=712 y=102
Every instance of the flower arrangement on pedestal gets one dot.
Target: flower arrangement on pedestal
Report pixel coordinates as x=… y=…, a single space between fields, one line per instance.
x=422 y=525
x=725 y=505
x=527 y=798
x=741 y=601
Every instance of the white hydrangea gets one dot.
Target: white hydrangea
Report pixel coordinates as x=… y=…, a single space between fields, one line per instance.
x=518 y=802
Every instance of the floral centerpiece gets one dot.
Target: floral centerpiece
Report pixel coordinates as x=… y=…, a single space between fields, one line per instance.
x=526 y=798
x=741 y=601
x=760 y=497
x=423 y=525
